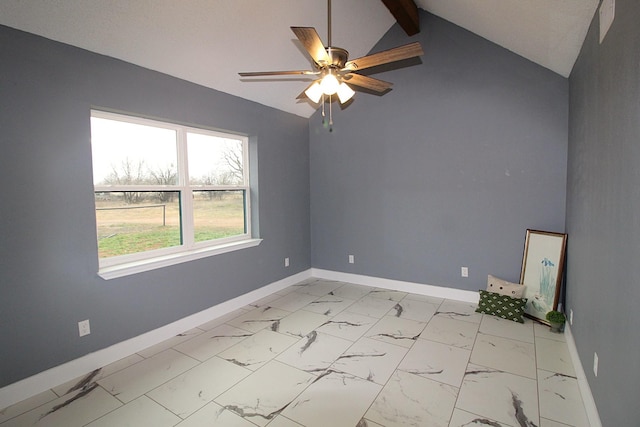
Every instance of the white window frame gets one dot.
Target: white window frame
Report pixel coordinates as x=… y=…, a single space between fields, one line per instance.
x=123 y=265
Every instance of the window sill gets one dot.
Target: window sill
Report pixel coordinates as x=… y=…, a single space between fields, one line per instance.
x=121 y=270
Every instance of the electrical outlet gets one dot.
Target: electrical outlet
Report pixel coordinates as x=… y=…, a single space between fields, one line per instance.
x=571 y=317
x=84 y=328
x=595 y=364
x=351 y=259
x=464 y=271
x=286 y=262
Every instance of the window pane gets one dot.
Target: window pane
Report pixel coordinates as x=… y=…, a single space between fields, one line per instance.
x=218 y=214
x=128 y=153
x=214 y=160
x=131 y=222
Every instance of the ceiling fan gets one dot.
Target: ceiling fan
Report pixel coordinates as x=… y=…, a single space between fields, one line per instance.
x=334 y=69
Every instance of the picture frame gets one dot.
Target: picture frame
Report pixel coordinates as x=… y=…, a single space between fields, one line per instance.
x=542 y=272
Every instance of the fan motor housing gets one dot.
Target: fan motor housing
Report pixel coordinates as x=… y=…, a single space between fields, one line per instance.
x=338 y=56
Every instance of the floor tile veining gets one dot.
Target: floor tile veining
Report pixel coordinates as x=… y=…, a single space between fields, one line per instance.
x=327 y=353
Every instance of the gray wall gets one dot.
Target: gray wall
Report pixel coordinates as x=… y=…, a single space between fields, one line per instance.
x=48 y=255
x=603 y=213
x=446 y=170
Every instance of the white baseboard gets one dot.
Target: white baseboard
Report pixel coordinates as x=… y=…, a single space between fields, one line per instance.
x=583 y=384
x=53 y=377
x=397 y=285
x=467 y=296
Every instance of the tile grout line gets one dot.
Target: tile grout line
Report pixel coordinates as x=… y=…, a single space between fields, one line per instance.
x=475 y=338
x=535 y=349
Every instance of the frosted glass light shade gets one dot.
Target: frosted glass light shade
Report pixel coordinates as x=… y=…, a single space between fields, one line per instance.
x=329 y=84
x=344 y=92
x=314 y=92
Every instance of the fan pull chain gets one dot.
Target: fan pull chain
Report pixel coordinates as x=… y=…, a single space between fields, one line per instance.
x=330 y=116
x=323 y=115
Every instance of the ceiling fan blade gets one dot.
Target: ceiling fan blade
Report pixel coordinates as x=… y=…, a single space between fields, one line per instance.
x=279 y=73
x=311 y=41
x=399 y=53
x=367 y=82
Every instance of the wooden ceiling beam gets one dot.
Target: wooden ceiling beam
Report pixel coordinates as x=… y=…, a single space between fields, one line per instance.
x=406 y=13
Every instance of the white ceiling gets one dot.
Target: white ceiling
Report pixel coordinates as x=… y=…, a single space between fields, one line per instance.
x=209 y=41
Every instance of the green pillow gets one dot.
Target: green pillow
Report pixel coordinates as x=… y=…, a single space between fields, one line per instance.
x=501 y=306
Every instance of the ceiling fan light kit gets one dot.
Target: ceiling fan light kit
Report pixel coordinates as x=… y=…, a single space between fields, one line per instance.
x=335 y=70
x=314 y=92
x=345 y=93
x=329 y=84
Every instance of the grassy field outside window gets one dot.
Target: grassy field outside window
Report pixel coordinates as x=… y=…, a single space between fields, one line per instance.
x=165 y=187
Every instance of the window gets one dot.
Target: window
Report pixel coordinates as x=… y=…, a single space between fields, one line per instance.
x=165 y=191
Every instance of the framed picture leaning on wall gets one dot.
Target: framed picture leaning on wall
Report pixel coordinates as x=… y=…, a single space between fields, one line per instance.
x=542 y=272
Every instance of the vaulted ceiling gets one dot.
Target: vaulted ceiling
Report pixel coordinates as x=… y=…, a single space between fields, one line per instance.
x=209 y=41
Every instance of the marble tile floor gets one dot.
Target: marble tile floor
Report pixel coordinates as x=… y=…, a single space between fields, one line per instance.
x=330 y=354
